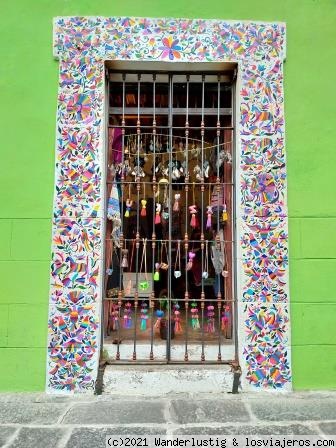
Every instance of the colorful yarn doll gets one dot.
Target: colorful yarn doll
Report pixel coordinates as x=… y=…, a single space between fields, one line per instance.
x=194 y=316
x=210 y=328
x=191 y=256
x=159 y=315
x=129 y=203
x=158 y=214
x=157 y=272
x=115 y=316
x=209 y=216
x=176 y=206
x=177 y=319
x=225 y=320
x=224 y=214
x=143 y=316
x=193 y=211
x=127 y=316
x=143 y=207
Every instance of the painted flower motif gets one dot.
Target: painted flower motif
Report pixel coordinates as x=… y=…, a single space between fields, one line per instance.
x=170 y=48
x=79 y=106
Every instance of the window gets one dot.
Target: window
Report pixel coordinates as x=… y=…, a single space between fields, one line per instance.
x=169 y=233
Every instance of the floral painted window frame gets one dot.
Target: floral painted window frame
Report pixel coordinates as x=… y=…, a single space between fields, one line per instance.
x=83 y=45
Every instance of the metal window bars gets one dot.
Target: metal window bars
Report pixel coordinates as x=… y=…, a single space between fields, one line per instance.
x=170 y=294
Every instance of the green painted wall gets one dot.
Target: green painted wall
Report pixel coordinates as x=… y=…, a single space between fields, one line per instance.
x=28 y=85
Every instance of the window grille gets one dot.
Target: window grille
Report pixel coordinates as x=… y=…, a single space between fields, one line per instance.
x=169 y=286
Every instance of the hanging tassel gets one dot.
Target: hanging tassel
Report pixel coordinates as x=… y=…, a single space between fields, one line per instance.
x=127 y=316
x=211 y=319
x=176 y=206
x=143 y=205
x=191 y=256
x=157 y=272
x=143 y=317
x=129 y=203
x=225 y=318
x=177 y=319
x=157 y=214
x=194 y=316
x=124 y=261
x=159 y=315
x=193 y=211
x=209 y=216
x=224 y=214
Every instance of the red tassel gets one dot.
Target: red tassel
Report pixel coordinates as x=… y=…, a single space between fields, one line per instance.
x=193 y=220
x=143 y=212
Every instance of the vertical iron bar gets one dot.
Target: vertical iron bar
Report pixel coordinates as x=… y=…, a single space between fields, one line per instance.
x=234 y=224
x=186 y=294
x=202 y=220
x=219 y=301
x=151 y=355
x=137 y=237
x=170 y=125
x=120 y=295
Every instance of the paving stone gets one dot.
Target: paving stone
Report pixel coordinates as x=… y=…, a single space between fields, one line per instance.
x=328 y=428
x=294 y=410
x=246 y=430
x=5 y=433
x=96 y=437
x=116 y=412
x=203 y=411
x=37 y=413
x=37 y=437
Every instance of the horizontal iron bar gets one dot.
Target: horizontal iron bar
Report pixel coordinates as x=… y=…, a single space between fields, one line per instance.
x=165 y=111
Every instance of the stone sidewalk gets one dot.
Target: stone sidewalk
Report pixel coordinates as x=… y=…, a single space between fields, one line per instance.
x=38 y=420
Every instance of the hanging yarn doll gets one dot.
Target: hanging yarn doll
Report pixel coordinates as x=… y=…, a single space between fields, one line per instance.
x=209 y=217
x=159 y=315
x=156 y=275
x=143 y=316
x=177 y=266
x=129 y=203
x=115 y=316
x=210 y=328
x=176 y=206
x=158 y=214
x=191 y=256
x=224 y=213
x=193 y=211
x=194 y=316
x=225 y=320
x=124 y=261
x=143 y=212
x=177 y=319
x=127 y=315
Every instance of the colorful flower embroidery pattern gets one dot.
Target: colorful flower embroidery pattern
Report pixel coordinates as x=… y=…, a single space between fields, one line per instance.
x=170 y=48
x=83 y=44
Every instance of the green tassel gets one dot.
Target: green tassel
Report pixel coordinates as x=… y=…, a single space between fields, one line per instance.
x=156 y=276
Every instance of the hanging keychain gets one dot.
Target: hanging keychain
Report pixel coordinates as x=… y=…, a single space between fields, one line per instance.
x=158 y=213
x=144 y=284
x=129 y=283
x=191 y=256
x=210 y=328
x=205 y=273
x=129 y=202
x=124 y=261
x=177 y=267
x=209 y=213
x=164 y=265
x=143 y=202
x=224 y=213
x=177 y=319
x=143 y=316
x=194 y=316
x=176 y=206
x=156 y=275
x=193 y=210
x=127 y=315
